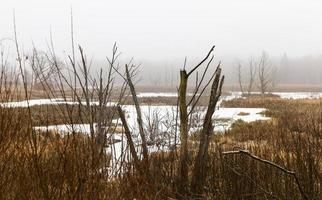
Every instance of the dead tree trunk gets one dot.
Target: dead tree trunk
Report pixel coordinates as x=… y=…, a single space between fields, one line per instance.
x=139 y=115
x=183 y=170
x=252 y=73
x=183 y=165
x=240 y=79
x=265 y=73
x=129 y=138
x=199 y=171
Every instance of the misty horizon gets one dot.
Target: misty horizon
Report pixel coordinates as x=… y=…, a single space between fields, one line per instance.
x=168 y=30
x=159 y=36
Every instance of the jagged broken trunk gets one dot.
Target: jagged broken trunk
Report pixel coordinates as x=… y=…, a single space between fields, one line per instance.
x=183 y=168
x=199 y=170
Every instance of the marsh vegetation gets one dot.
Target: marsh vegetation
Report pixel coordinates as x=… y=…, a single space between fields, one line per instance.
x=150 y=146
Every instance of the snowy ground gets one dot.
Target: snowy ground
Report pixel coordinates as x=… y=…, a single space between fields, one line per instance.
x=283 y=95
x=37 y=102
x=66 y=128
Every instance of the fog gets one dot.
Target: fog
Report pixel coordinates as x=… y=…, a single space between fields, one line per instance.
x=160 y=34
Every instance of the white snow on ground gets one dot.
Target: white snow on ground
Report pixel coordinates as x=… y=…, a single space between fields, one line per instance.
x=233 y=113
x=35 y=102
x=233 y=95
x=227 y=116
x=283 y=95
x=150 y=114
x=66 y=128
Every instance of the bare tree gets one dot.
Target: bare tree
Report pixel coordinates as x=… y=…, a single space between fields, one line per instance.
x=240 y=78
x=42 y=69
x=252 y=74
x=251 y=77
x=265 y=73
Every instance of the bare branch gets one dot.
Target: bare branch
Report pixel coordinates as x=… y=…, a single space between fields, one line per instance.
x=292 y=173
x=202 y=78
x=196 y=67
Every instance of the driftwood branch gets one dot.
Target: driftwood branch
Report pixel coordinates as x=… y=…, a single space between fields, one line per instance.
x=128 y=137
x=292 y=173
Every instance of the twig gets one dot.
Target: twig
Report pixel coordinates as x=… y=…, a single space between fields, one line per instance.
x=196 y=67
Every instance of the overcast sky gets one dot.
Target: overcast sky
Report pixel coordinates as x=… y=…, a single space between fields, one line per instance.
x=168 y=29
